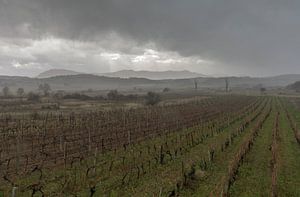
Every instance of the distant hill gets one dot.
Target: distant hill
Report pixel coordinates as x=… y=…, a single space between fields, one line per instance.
x=79 y=82
x=295 y=86
x=57 y=72
x=154 y=75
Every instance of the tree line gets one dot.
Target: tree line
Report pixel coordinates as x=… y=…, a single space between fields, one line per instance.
x=151 y=98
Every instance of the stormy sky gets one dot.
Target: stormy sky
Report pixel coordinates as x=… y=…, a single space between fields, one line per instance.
x=214 y=37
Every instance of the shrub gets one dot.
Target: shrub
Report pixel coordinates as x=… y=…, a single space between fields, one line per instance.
x=77 y=96
x=152 y=98
x=33 y=97
x=166 y=90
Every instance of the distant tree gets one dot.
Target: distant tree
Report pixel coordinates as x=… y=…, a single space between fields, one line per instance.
x=5 y=91
x=262 y=90
x=166 y=90
x=113 y=95
x=226 y=84
x=195 y=84
x=152 y=98
x=45 y=89
x=33 y=97
x=20 y=92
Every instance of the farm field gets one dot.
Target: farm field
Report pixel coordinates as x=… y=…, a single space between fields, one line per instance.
x=229 y=145
x=124 y=98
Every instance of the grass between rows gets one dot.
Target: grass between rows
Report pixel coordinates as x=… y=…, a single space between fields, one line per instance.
x=254 y=175
x=289 y=169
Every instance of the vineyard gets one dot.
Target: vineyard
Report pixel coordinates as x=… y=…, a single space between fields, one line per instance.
x=217 y=146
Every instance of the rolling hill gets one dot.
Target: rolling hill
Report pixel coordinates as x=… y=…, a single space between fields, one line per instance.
x=154 y=75
x=57 y=72
x=295 y=86
x=81 y=82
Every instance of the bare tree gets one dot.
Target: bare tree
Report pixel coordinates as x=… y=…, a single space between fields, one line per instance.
x=5 y=91
x=195 y=84
x=45 y=88
x=20 y=92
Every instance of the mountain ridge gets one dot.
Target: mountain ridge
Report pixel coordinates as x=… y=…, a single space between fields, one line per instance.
x=154 y=75
x=57 y=72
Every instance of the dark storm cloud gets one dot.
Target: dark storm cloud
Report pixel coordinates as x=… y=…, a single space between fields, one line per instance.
x=251 y=36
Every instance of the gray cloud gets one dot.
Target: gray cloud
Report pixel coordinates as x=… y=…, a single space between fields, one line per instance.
x=257 y=37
